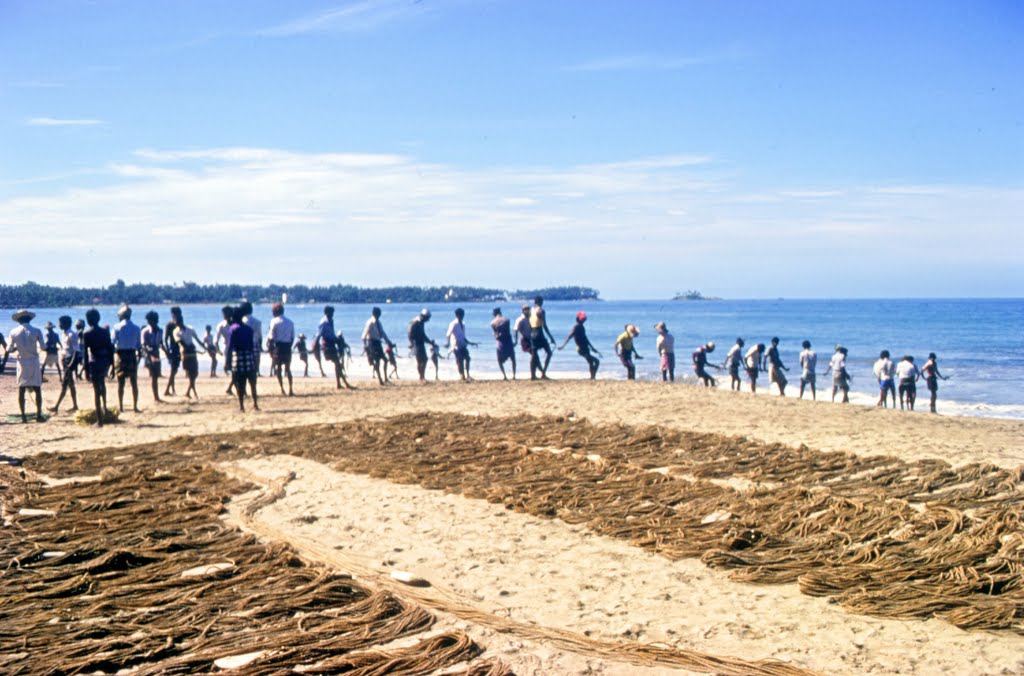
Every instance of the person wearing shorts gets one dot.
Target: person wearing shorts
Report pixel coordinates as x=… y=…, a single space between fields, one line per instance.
x=775 y=367
x=374 y=337
x=172 y=349
x=732 y=363
x=522 y=330
x=907 y=374
x=327 y=339
x=840 y=377
x=752 y=362
x=540 y=335
x=127 y=343
x=808 y=364
x=583 y=345
x=884 y=370
x=505 y=347
x=626 y=350
x=700 y=364
x=931 y=375
x=188 y=340
x=152 y=339
x=418 y=342
x=69 y=357
x=666 y=346
x=280 y=336
x=99 y=353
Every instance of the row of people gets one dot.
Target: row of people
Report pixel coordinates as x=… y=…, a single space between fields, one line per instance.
x=239 y=338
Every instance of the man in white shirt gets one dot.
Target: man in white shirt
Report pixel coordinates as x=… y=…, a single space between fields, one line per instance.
x=459 y=344
x=188 y=342
x=907 y=373
x=26 y=341
x=840 y=377
x=374 y=338
x=280 y=337
x=127 y=344
x=221 y=333
x=884 y=369
x=808 y=364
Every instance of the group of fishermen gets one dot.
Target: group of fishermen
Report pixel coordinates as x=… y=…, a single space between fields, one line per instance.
x=97 y=353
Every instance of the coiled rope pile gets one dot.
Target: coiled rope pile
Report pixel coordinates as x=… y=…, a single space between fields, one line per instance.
x=880 y=536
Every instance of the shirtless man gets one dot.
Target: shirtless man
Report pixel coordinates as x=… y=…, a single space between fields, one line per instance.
x=459 y=343
x=99 y=354
x=418 y=342
x=327 y=338
x=152 y=339
x=775 y=367
x=931 y=375
x=521 y=330
x=907 y=373
x=540 y=335
x=700 y=364
x=752 y=361
x=505 y=345
x=223 y=326
x=808 y=366
x=172 y=350
x=732 y=363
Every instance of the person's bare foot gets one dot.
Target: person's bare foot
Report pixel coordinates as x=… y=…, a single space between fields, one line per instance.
x=53 y=409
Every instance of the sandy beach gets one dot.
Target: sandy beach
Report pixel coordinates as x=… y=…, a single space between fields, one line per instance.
x=548 y=591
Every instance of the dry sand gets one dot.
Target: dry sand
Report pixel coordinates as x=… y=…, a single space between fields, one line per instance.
x=550 y=574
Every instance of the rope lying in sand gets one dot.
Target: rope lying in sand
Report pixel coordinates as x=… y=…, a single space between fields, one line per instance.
x=138 y=571
x=881 y=536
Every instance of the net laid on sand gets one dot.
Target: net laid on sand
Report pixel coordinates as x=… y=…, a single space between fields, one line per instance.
x=137 y=571
x=881 y=536
x=132 y=568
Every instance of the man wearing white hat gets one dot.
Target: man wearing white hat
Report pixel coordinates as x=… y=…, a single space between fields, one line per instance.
x=26 y=342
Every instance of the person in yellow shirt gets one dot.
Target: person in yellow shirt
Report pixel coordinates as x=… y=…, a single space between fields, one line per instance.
x=625 y=349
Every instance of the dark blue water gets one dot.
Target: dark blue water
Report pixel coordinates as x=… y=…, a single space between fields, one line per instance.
x=980 y=343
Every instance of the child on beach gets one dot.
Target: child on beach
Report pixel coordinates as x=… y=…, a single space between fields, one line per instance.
x=300 y=347
x=211 y=349
x=625 y=349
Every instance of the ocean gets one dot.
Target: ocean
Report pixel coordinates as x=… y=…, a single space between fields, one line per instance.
x=979 y=342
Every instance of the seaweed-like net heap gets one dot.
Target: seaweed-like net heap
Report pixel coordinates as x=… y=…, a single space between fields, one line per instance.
x=136 y=570
x=881 y=536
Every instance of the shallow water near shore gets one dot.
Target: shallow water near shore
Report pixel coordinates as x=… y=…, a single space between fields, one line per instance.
x=980 y=342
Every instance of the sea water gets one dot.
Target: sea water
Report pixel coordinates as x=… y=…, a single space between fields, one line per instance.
x=979 y=342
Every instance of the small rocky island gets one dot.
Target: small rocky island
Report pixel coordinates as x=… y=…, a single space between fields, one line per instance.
x=693 y=295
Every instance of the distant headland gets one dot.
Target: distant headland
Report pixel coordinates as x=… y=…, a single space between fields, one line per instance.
x=36 y=295
x=693 y=295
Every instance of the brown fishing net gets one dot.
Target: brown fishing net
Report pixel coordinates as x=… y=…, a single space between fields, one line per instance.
x=881 y=536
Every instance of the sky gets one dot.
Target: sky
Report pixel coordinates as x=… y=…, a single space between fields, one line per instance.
x=744 y=149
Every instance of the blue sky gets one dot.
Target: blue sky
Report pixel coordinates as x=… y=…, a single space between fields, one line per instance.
x=747 y=149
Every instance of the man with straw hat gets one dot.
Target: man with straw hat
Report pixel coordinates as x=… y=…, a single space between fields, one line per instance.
x=26 y=341
x=627 y=351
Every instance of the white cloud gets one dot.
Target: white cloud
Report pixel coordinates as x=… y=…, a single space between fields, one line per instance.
x=638 y=62
x=354 y=16
x=175 y=214
x=62 y=122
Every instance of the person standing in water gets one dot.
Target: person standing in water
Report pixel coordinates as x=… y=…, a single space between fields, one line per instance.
x=700 y=364
x=583 y=344
x=626 y=350
x=505 y=346
x=26 y=342
x=152 y=339
x=884 y=370
x=808 y=367
x=666 y=346
x=732 y=363
x=752 y=361
x=931 y=375
x=459 y=343
x=540 y=335
x=69 y=355
x=418 y=342
x=907 y=373
x=840 y=376
x=775 y=367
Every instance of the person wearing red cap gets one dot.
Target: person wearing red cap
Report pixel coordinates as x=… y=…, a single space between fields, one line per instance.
x=583 y=344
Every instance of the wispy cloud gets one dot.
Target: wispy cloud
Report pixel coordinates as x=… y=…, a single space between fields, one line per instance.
x=35 y=84
x=355 y=16
x=638 y=62
x=169 y=214
x=62 y=122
